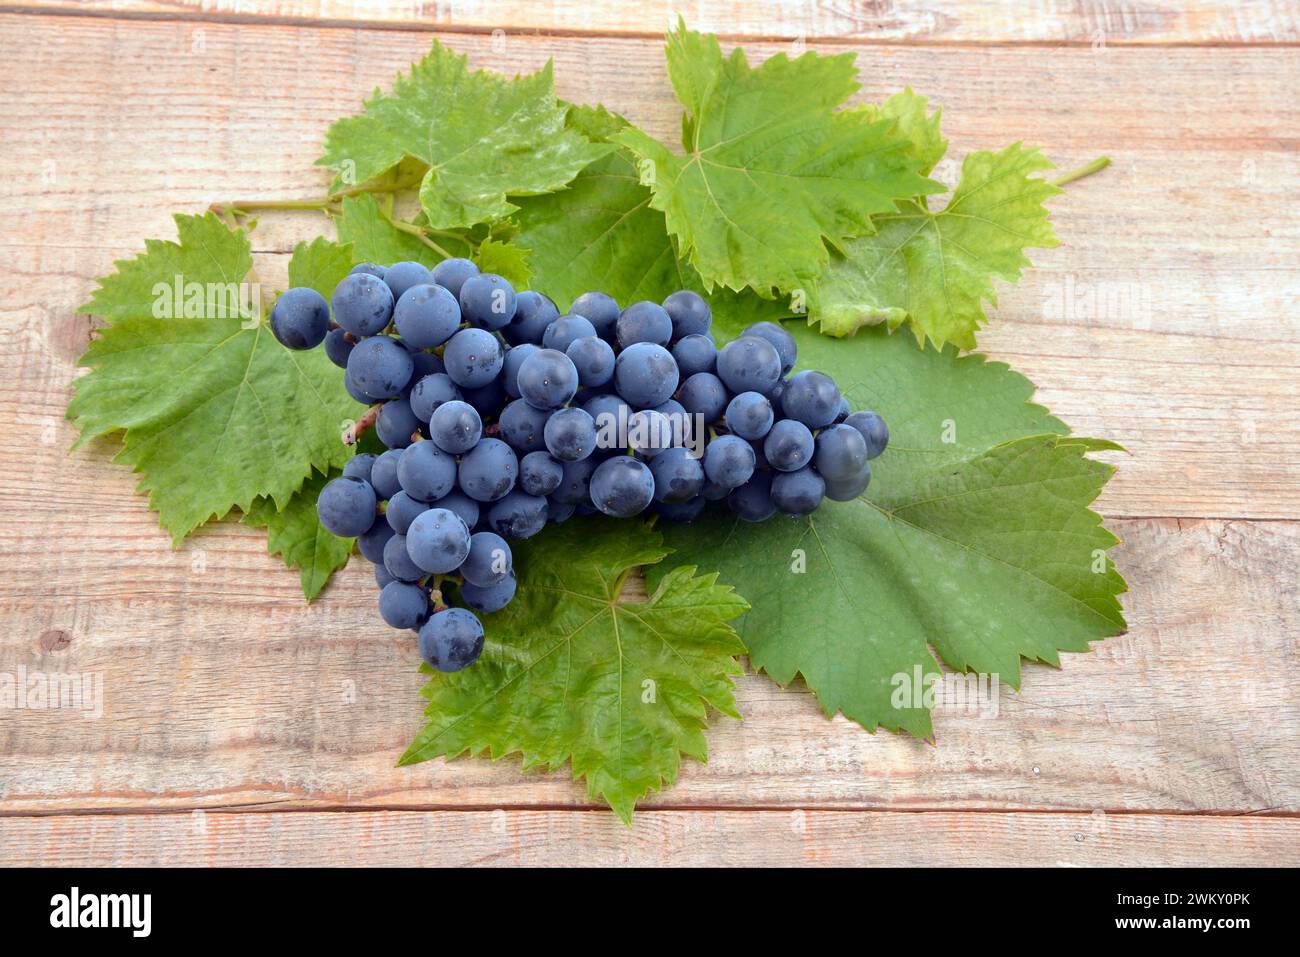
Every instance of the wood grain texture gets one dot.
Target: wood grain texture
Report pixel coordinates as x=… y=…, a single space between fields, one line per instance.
x=915 y=21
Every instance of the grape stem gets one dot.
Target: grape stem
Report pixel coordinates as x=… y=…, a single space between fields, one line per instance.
x=358 y=428
x=1096 y=166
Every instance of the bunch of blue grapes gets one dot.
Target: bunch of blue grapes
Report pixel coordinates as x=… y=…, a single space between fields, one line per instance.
x=499 y=415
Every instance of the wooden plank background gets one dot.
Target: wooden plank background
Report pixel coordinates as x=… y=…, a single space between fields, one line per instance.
x=243 y=726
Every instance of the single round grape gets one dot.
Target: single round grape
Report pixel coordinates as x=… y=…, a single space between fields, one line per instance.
x=426 y=363
x=873 y=429
x=533 y=313
x=488 y=472
x=677 y=475
x=780 y=339
x=670 y=408
x=489 y=560
x=570 y=435
x=383 y=474
x=300 y=318
x=488 y=399
x=380 y=368
x=354 y=391
x=396 y=423
x=451 y=274
x=749 y=364
x=846 y=490
x=575 y=484
x=455 y=427
x=373 y=269
x=438 y=540
x=689 y=312
x=426 y=472
x=753 y=500
x=402 y=510
x=515 y=357
x=518 y=515
x=371 y=542
x=487 y=301
x=811 y=398
x=431 y=392
x=610 y=413
x=798 y=493
x=704 y=394
x=547 y=379
x=622 y=487
x=338 y=346
x=402 y=276
x=601 y=310
x=841 y=451
x=362 y=304
x=451 y=639
x=558 y=512
x=645 y=374
x=695 y=353
x=346 y=506
x=462 y=505
x=382 y=577
x=561 y=333
x=540 y=473
x=403 y=605
x=729 y=461
x=593 y=357
x=489 y=599
x=398 y=561
x=522 y=426
x=426 y=316
x=750 y=415
x=473 y=357
x=644 y=322
x=788 y=446
x=650 y=432
x=360 y=466
x=681 y=512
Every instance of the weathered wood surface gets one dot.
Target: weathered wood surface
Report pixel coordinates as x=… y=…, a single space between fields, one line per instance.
x=222 y=689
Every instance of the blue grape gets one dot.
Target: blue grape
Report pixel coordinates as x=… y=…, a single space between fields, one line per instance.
x=681 y=512
x=518 y=515
x=570 y=435
x=403 y=605
x=695 y=353
x=607 y=411
x=729 y=461
x=533 y=313
x=670 y=408
x=622 y=487
x=798 y=493
x=749 y=364
x=473 y=357
x=753 y=500
x=487 y=399
x=489 y=599
x=300 y=318
x=515 y=357
x=346 y=506
x=841 y=451
x=426 y=472
x=644 y=322
x=645 y=374
x=489 y=471
x=873 y=429
x=426 y=363
x=373 y=269
x=371 y=542
x=402 y=276
x=788 y=446
x=489 y=561
x=677 y=475
x=540 y=473
x=575 y=484
x=601 y=311
x=362 y=304
x=844 y=410
x=426 y=316
x=438 y=540
x=360 y=466
x=455 y=427
x=713 y=492
x=523 y=427
x=451 y=274
x=451 y=639
x=649 y=432
x=561 y=333
x=558 y=512
x=593 y=357
x=399 y=563
x=750 y=415
x=845 y=490
x=780 y=339
x=354 y=391
x=338 y=346
x=464 y=506
x=689 y=312
x=402 y=510
x=383 y=474
x=431 y=392
x=396 y=423
x=380 y=368
x=704 y=394
x=811 y=398
x=487 y=301
x=547 y=379
x=382 y=577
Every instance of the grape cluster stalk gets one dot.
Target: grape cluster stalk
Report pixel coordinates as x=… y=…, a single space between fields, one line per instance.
x=499 y=415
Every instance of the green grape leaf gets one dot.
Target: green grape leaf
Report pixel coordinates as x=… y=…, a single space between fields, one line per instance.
x=602 y=233
x=375 y=239
x=974 y=538
x=296 y=535
x=214 y=412
x=320 y=265
x=920 y=128
x=480 y=136
x=936 y=268
x=569 y=673
x=771 y=168
x=505 y=259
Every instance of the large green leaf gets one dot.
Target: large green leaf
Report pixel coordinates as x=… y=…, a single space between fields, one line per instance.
x=569 y=673
x=974 y=538
x=771 y=169
x=296 y=535
x=320 y=265
x=373 y=237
